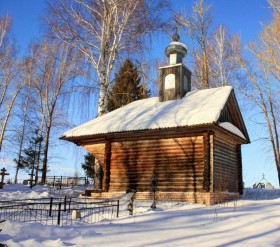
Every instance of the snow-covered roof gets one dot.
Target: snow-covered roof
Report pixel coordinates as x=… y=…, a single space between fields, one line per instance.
x=233 y=129
x=196 y=108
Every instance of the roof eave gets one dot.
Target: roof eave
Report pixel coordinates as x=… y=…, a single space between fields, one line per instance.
x=102 y=136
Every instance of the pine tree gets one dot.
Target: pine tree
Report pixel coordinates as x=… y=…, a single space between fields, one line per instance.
x=127 y=87
x=88 y=165
x=32 y=157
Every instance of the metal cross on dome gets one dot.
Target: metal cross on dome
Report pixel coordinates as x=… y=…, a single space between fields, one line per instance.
x=176 y=36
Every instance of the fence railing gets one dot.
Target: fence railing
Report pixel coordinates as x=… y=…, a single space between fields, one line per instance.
x=57 y=181
x=60 y=211
x=63 y=181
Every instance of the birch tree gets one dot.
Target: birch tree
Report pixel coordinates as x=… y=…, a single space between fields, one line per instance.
x=10 y=86
x=27 y=110
x=214 y=52
x=102 y=30
x=57 y=66
x=198 y=25
x=263 y=78
x=223 y=57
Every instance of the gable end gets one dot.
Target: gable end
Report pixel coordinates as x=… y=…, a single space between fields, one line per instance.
x=231 y=113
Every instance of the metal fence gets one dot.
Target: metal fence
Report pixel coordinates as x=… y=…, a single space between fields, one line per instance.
x=57 y=181
x=64 y=181
x=59 y=211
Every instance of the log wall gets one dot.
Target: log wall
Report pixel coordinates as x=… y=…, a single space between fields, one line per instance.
x=226 y=164
x=209 y=162
x=179 y=164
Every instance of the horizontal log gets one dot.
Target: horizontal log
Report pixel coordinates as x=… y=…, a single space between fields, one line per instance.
x=225 y=155
x=164 y=168
x=149 y=144
x=158 y=154
x=157 y=169
x=183 y=148
x=159 y=141
x=161 y=172
x=160 y=160
x=159 y=188
x=222 y=139
x=225 y=151
x=148 y=187
x=163 y=175
x=224 y=162
x=161 y=182
x=152 y=156
x=169 y=190
x=158 y=163
x=225 y=158
x=223 y=169
x=180 y=132
x=161 y=169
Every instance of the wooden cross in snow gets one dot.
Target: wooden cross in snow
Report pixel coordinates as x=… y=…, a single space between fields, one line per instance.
x=3 y=174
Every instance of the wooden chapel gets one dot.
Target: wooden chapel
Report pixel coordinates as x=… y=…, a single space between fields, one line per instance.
x=190 y=140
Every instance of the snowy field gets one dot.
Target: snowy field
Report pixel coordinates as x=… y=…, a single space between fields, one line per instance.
x=252 y=221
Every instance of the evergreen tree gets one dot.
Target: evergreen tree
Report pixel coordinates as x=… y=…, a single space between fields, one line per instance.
x=127 y=87
x=88 y=165
x=32 y=157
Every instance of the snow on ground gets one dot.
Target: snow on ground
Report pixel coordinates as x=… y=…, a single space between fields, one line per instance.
x=20 y=192
x=252 y=221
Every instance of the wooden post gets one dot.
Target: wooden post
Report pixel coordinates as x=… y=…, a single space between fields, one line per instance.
x=239 y=170
x=206 y=173
x=3 y=174
x=107 y=160
x=212 y=167
x=131 y=204
x=118 y=208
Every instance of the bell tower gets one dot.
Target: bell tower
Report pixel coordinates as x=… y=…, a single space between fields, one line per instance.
x=175 y=78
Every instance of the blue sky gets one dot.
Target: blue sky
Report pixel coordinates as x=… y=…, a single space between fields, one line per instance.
x=240 y=16
x=26 y=19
